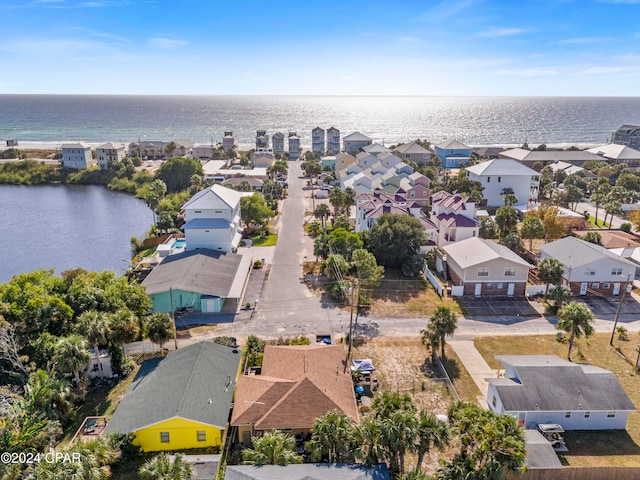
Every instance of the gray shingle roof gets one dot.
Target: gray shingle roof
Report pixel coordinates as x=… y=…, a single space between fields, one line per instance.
x=208 y=272
x=548 y=383
x=308 y=471
x=194 y=383
x=574 y=252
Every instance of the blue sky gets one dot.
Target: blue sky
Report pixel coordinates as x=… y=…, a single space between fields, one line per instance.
x=344 y=47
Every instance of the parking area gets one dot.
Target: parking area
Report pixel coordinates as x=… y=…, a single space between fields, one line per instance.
x=497 y=306
x=603 y=307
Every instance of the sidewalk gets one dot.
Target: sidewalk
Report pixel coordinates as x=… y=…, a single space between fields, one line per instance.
x=475 y=365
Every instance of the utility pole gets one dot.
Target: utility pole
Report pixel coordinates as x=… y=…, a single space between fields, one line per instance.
x=354 y=285
x=615 y=322
x=173 y=317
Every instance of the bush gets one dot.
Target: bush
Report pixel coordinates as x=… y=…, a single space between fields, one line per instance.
x=257 y=264
x=626 y=227
x=226 y=341
x=623 y=334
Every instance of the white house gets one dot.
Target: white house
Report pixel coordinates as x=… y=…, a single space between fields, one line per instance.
x=317 y=141
x=615 y=153
x=213 y=219
x=455 y=217
x=228 y=141
x=109 y=153
x=262 y=139
x=539 y=389
x=354 y=142
x=93 y=369
x=589 y=268
x=294 y=146
x=77 y=156
x=376 y=149
x=498 y=174
x=202 y=152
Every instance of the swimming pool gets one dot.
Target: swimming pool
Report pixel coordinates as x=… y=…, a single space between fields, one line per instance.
x=179 y=243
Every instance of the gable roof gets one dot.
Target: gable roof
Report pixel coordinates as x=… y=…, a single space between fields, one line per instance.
x=474 y=251
x=615 y=151
x=308 y=471
x=376 y=148
x=297 y=384
x=524 y=155
x=110 y=146
x=74 y=145
x=452 y=145
x=195 y=383
x=356 y=137
x=549 y=383
x=411 y=147
x=613 y=238
x=204 y=271
x=575 y=252
x=501 y=166
x=214 y=197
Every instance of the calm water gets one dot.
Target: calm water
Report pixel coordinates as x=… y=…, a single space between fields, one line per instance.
x=203 y=119
x=66 y=227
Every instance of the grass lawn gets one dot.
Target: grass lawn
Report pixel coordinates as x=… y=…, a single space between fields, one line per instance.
x=402 y=296
x=600 y=224
x=269 y=241
x=606 y=448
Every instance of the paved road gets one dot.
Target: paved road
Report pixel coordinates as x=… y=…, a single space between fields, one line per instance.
x=586 y=206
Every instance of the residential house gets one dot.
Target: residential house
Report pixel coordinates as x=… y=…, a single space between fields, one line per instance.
x=389 y=160
x=213 y=219
x=343 y=160
x=317 y=141
x=203 y=152
x=99 y=369
x=610 y=239
x=148 y=149
x=328 y=161
x=77 y=156
x=277 y=140
x=228 y=141
x=109 y=154
x=333 y=141
x=499 y=174
x=616 y=153
x=366 y=160
x=570 y=169
x=294 y=146
x=371 y=206
x=354 y=142
x=485 y=268
x=455 y=217
x=413 y=152
x=627 y=135
x=543 y=389
x=183 y=148
x=296 y=385
x=376 y=149
x=262 y=139
x=529 y=157
x=308 y=471
x=180 y=401
x=589 y=268
x=255 y=183
x=453 y=154
x=197 y=280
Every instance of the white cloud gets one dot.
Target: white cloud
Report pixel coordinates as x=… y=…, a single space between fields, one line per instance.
x=445 y=10
x=503 y=32
x=599 y=70
x=529 y=72
x=581 y=40
x=166 y=43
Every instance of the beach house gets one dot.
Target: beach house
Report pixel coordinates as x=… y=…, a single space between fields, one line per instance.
x=277 y=141
x=294 y=146
x=228 y=141
x=497 y=176
x=354 y=142
x=452 y=153
x=628 y=135
x=333 y=141
x=317 y=141
x=77 y=156
x=109 y=154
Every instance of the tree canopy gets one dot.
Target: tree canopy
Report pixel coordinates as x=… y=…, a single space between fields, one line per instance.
x=176 y=173
x=395 y=238
x=254 y=210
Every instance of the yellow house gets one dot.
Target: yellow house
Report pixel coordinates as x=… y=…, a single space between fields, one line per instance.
x=181 y=401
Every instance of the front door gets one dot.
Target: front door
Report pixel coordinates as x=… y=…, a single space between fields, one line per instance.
x=478 y=291
x=616 y=289
x=583 y=288
x=511 y=288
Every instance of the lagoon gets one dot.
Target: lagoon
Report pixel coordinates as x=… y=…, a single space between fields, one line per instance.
x=68 y=226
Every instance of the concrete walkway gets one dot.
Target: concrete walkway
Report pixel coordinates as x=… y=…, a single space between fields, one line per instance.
x=475 y=365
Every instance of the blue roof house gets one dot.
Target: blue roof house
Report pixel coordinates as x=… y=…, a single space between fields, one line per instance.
x=453 y=154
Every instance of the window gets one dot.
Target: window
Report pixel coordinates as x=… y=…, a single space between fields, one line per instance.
x=595 y=285
x=590 y=271
x=489 y=286
x=500 y=286
x=413 y=194
x=499 y=178
x=611 y=414
x=616 y=271
x=202 y=436
x=567 y=415
x=494 y=401
x=164 y=437
x=509 y=272
x=197 y=211
x=95 y=367
x=483 y=272
x=587 y=414
x=606 y=285
x=488 y=179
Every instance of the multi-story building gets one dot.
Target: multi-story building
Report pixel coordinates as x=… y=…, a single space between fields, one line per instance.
x=294 y=146
x=262 y=139
x=354 y=142
x=228 y=141
x=453 y=154
x=455 y=216
x=109 y=153
x=317 y=141
x=333 y=141
x=499 y=175
x=627 y=135
x=278 y=142
x=77 y=156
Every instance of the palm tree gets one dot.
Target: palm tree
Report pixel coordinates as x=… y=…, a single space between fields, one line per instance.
x=550 y=270
x=94 y=326
x=336 y=199
x=170 y=148
x=506 y=220
x=322 y=212
x=444 y=323
x=348 y=199
x=332 y=437
x=161 y=467
x=160 y=328
x=315 y=228
x=509 y=196
x=575 y=319
x=124 y=327
x=48 y=394
x=430 y=432
x=368 y=438
x=273 y=448
x=431 y=339
x=532 y=227
x=399 y=430
x=71 y=355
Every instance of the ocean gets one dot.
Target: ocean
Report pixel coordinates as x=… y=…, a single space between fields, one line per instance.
x=505 y=121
